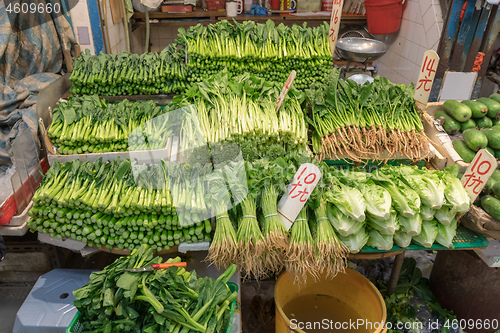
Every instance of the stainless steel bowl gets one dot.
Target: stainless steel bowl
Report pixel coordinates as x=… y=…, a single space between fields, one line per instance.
x=361 y=49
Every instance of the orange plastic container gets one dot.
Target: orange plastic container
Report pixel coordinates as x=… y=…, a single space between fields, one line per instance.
x=383 y=16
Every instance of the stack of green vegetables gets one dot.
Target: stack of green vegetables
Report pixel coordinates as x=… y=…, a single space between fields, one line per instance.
x=373 y=121
x=242 y=110
x=117 y=204
x=88 y=124
x=347 y=210
x=130 y=74
x=266 y=50
x=168 y=300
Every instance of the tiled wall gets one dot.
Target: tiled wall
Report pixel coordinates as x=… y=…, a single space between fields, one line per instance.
x=420 y=31
x=81 y=24
x=160 y=37
x=116 y=33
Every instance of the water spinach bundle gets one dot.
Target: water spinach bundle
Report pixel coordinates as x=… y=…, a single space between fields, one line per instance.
x=373 y=121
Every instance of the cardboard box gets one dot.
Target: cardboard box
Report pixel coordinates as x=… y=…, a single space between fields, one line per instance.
x=490 y=255
x=440 y=139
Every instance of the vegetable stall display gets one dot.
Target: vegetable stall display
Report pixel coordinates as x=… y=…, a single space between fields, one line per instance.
x=89 y=124
x=373 y=121
x=392 y=205
x=123 y=205
x=167 y=300
x=268 y=51
x=150 y=73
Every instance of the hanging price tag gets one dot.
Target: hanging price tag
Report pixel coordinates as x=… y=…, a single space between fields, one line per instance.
x=478 y=173
x=287 y=86
x=426 y=78
x=335 y=23
x=299 y=190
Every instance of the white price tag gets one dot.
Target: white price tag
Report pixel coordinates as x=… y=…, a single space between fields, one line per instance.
x=426 y=78
x=335 y=23
x=287 y=86
x=478 y=173
x=299 y=190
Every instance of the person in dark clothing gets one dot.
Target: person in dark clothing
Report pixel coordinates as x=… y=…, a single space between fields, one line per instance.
x=3 y=248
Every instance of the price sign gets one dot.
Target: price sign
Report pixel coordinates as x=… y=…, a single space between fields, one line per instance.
x=299 y=190
x=335 y=23
x=287 y=86
x=426 y=77
x=477 y=174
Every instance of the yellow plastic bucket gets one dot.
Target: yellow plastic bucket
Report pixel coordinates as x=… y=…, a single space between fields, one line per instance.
x=350 y=288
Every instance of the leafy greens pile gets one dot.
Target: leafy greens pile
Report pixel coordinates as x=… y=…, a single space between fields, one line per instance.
x=347 y=210
x=164 y=300
x=242 y=110
x=130 y=74
x=89 y=124
x=121 y=204
x=373 y=121
x=268 y=51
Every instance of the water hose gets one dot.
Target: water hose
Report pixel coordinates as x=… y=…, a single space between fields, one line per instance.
x=146 y=47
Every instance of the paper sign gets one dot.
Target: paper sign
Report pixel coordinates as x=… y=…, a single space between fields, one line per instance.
x=287 y=86
x=478 y=173
x=299 y=190
x=426 y=77
x=335 y=23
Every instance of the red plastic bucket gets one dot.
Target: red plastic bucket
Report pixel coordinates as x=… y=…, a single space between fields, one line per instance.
x=383 y=16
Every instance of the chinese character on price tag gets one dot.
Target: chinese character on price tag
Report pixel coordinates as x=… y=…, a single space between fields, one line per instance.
x=477 y=174
x=335 y=23
x=299 y=190
x=426 y=76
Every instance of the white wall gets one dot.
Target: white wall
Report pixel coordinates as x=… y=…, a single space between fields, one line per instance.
x=81 y=22
x=116 y=32
x=420 y=31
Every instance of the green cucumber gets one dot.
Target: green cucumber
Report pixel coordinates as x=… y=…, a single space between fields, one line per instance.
x=496 y=175
x=478 y=109
x=495 y=97
x=463 y=151
x=491 y=205
x=467 y=124
x=488 y=188
x=492 y=105
x=484 y=122
x=497 y=154
x=496 y=190
x=460 y=112
x=475 y=139
x=496 y=127
x=450 y=125
x=493 y=136
x=490 y=150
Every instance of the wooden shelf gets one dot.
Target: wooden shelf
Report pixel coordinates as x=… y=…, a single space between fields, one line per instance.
x=197 y=13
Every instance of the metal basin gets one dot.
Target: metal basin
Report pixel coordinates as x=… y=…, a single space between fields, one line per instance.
x=361 y=49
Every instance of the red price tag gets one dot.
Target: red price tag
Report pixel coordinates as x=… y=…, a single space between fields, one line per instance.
x=478 y=173
x=335 y=23
x=285 y=89
x=299 y=190
x=426 y=77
